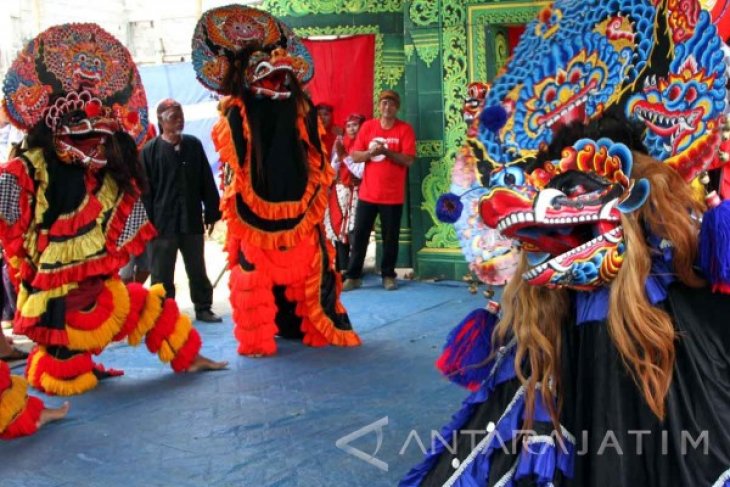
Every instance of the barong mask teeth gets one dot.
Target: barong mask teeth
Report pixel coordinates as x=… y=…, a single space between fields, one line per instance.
x=276 y=53
x=81 y=126
x=268 y=74
x=82 y=84
x=566 y=215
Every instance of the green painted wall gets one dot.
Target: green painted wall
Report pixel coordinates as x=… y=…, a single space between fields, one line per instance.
x=427 y=50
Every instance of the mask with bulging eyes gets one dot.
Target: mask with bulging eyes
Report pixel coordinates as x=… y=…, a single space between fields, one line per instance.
x=567 y=214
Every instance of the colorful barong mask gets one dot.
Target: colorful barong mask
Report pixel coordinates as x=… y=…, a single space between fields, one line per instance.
x=273 y=54
x=82 y=83
x=567 y=214
x=660 y=61
x=490 y=256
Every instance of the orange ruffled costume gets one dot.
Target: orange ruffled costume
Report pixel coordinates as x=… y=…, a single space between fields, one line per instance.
x=296 y=257
x=275 y=178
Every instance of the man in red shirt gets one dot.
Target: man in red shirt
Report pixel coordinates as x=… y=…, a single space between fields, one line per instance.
x=387 y=146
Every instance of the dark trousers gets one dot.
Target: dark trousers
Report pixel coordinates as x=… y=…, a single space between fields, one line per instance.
x=163 y=252
x=8 y=298
x=342 y=254
x=390 y=228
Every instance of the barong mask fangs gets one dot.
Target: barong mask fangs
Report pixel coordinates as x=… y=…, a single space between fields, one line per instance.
x=82 y=83
x=567 y=214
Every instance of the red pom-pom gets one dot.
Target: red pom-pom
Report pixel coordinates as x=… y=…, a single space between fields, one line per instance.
x=93 y=108
x=133 y=118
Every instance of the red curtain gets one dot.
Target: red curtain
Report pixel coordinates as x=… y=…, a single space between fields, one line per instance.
x=513 y=36
x=343 y=75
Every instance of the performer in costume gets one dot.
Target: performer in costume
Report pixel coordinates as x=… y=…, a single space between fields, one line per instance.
x=276 y=176
x=611 y=350
x=339 y=217
x=70 y=212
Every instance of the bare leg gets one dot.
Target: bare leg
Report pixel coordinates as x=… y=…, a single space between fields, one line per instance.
x=8 y=350
x=202 y=363
x=53 y=414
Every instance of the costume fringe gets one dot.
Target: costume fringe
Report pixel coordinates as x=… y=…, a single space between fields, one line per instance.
x=468 y=348
x=149 y=315
x=106 y=323
x=118 y=310
x=299 y=268
x=164 y=326
x=70 y=224
x=19 y=413
x=254 y=312
x=188 y=352
x=13 y=233
x=166 y=331
x=68 y=387
x=137 y=297
x=310 y=208
x=26 y=423
x=61 y=377
x=13 y=396
x=314 y=311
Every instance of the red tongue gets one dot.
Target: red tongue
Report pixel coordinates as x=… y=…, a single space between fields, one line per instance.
x=85 y=145
x=604 y=227
x=560 y=244
x=274 y=81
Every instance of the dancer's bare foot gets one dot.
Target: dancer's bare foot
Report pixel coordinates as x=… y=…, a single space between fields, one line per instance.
x=53 y=414
x=202 y=363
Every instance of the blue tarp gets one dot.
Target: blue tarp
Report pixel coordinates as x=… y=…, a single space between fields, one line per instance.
x=284 y=421
x=178 y=81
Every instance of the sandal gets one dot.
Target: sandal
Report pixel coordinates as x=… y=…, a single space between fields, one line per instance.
x=16 y=354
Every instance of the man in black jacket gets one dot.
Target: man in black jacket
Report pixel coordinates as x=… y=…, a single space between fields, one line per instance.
x=180 y=181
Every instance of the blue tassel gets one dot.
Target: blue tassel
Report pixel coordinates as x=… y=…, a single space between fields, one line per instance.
x=493 y=118
x=469 y=345
x=714 y=251
x=449 y=208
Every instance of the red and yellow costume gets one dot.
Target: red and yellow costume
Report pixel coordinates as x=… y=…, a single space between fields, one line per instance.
x=275 y=180
x=69 y=220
